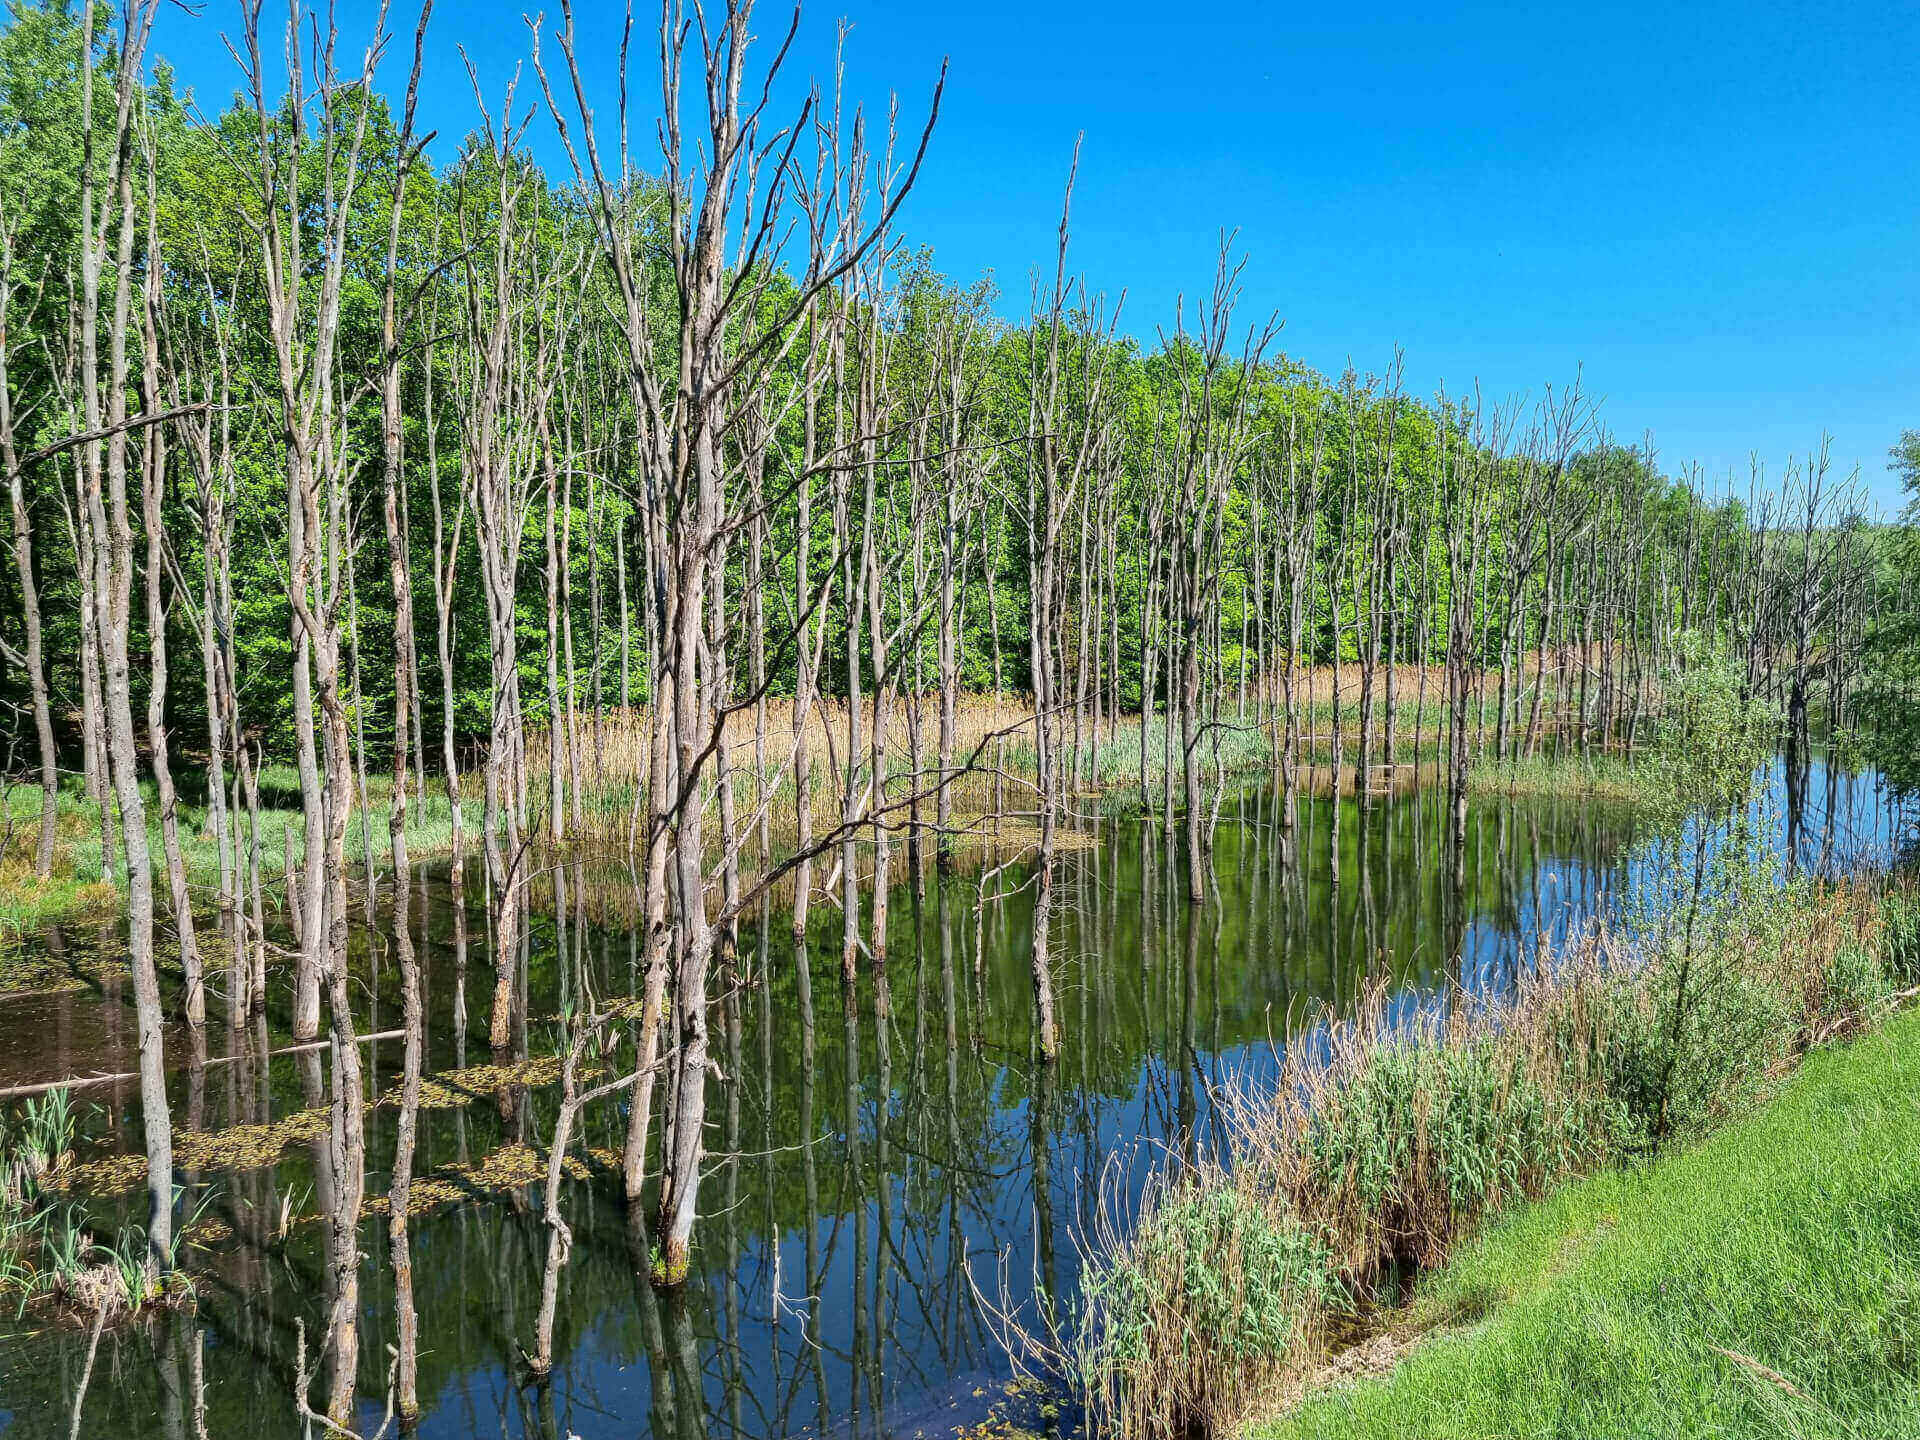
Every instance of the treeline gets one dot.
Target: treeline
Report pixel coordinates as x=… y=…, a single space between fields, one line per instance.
x=1337 y=485
x=1889 y=702
x=318 y=453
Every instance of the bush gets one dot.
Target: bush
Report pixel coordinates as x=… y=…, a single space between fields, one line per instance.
x=1215 y=1293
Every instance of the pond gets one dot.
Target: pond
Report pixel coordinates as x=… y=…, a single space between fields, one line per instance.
x=888 y=1165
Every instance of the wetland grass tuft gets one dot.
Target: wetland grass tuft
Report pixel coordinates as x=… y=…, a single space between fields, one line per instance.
x=48 y=1252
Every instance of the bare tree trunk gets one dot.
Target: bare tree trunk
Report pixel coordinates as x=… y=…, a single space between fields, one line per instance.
x=406 y=701
x=558 y=740
x=105 y=483
x=313 y=435
x=153 y=480
x=576 y=760
x=33 y=658
x=446 y=564
x=97 y=776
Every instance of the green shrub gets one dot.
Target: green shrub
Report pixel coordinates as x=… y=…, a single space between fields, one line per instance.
x=1213 y=1295
x=1900 y=935
x=1730 y=1031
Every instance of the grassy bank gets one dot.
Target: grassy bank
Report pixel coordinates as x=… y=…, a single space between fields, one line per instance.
x=1765 y=1284
x=76 y=885
x=1389 y=1140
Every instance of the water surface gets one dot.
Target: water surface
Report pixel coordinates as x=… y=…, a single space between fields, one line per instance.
x=887 y=1165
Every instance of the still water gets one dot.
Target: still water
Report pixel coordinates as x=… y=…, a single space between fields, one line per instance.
x=887 y=1166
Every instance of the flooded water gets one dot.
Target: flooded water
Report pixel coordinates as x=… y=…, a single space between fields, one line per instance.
x=886 y=1165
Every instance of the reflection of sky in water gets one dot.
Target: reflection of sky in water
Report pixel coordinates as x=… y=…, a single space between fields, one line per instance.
x=1101 y=1148
x=950 y=1159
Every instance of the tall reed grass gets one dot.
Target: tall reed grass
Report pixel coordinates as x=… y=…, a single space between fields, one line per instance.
x=1384 y=1139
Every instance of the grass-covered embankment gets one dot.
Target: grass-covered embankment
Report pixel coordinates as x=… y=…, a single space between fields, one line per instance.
x=1390 y=1140
x=1763 y=1284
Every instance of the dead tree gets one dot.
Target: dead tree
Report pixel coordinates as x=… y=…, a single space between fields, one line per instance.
x=153 y=478
x=723 y=205
x=104 y=481
x=1062 y=452
x=405 y=705
x=503 y=395
x=306 y=353
x=33 y=658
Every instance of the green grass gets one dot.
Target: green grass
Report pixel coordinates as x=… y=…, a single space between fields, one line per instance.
x=27 y=901
x=1609 y=778
x=1765 y=1284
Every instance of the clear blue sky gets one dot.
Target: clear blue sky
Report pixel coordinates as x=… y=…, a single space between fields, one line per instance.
x=1712 y=208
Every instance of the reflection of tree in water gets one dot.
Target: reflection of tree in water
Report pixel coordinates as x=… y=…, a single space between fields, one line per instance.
x=831 y=1284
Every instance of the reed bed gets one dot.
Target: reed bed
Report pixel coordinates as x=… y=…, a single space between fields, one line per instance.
x=993 y=755
x=1386 y=1138
x=1613 y=779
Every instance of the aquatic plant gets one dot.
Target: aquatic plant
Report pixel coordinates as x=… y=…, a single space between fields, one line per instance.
x=1213 y=1295
x=38 y=1148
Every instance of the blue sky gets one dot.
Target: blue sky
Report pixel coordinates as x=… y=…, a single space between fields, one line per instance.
x=1712 y=210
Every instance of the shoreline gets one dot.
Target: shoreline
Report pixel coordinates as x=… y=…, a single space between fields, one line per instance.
x=1700 y=1263
x=28 y=902
x=1382 y=1151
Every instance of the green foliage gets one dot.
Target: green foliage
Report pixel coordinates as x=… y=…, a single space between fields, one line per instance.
x=209 y=254
x=1692 y=1044
x=1888 y=706
x=1766 y=1284
x=1713 y=738
x=1215 y=1291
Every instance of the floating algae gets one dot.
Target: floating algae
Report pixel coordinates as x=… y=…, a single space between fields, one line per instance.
x=239 y=1147
x=256 y=1147
x=36 y=973
x=453 y=1088
x=55 y=962
x=510 y=1168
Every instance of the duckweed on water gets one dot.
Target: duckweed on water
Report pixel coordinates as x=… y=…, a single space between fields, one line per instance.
x=256 y=1147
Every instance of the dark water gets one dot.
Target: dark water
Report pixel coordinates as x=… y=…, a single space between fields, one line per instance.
x=878 y=1160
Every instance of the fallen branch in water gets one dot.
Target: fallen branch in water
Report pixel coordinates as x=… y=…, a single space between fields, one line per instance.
x=88 y=1082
